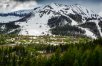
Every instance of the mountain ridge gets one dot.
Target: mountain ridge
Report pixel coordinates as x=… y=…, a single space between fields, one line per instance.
x=52 y=19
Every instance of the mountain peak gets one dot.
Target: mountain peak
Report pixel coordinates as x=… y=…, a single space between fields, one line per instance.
x=55 y=4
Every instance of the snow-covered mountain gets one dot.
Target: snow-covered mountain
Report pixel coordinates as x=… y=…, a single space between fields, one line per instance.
x=53 y=19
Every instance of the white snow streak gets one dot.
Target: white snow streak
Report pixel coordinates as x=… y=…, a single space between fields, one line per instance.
x=88 y=33
x=98 y=27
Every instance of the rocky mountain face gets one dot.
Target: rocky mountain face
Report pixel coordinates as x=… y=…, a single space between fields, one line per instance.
x=53 y=19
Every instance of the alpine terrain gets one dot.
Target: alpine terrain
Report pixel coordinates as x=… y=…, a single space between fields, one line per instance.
x=52 y=19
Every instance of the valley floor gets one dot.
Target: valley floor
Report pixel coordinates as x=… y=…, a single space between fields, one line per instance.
x=18 y=50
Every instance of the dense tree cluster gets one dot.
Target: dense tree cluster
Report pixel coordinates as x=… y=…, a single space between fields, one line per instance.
x=67 y=30
x=9 y=28
x=58 y=21
x=76 y=17
x=92 y=27
x=84 y=53
x=100 y=24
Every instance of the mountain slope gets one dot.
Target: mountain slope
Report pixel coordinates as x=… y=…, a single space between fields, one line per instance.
x=53 y=19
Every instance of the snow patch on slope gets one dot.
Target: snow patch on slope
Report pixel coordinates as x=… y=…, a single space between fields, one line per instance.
x=100 y=14
x=88 y=33
x=98 y=27
x=35 y=26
